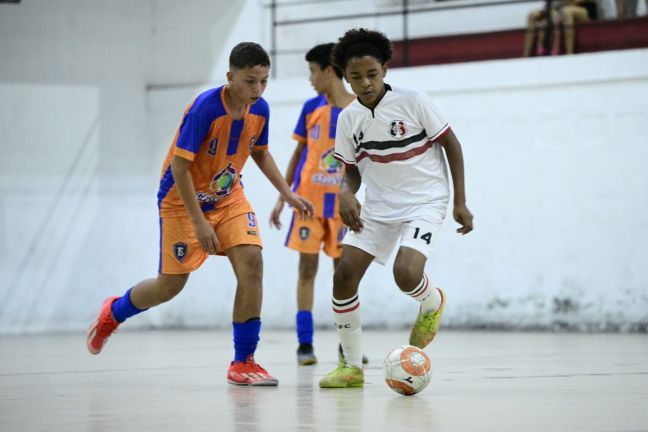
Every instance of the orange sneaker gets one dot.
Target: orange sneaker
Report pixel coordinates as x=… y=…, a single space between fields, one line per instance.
x=102 y=328
x=249 y=373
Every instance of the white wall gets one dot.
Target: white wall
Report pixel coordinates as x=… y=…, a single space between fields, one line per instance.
x=555 y=152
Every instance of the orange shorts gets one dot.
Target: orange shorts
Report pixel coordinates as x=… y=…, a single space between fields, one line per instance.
x=180 y=251
x=307 y=235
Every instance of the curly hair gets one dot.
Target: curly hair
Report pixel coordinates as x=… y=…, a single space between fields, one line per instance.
x=362 y=42
x=321 y=54
x=248 y=55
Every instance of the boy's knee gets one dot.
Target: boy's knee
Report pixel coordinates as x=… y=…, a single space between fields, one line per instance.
x=170 y=286
x=407 y=276
x=307 y=266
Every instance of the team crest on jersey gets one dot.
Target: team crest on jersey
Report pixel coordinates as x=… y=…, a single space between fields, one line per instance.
x=180 y=251
x=397 y=128
x=252 y=142
x=328 y=162
x=304 y=232
x=220 y=186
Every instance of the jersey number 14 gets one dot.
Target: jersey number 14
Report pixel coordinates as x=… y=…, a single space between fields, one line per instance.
x=427 y=236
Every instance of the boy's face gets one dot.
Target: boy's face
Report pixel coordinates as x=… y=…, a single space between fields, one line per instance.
x=248 y=84
x=365 y=75
x=319 y=78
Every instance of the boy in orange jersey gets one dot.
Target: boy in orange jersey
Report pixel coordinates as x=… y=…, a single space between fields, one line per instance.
x=203 y=210
x=315 y=174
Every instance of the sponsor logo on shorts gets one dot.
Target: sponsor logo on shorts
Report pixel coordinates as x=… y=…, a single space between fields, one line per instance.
x=180 y=251
x=304 y=232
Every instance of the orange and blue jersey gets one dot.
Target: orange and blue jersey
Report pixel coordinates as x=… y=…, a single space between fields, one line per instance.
x=318 y=174
x=218 y=147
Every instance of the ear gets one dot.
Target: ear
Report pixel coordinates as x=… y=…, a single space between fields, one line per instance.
x=230 y=76
x=384 y=69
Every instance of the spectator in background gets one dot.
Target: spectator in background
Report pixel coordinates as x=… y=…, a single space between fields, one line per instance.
x=565 y=14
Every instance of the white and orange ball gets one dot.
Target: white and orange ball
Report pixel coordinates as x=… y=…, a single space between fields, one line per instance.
x=407 y=370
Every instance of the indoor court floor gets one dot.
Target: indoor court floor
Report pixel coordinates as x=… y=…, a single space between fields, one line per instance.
x=175 y=381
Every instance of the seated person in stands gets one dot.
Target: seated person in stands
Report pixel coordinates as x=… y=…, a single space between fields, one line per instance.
x=565 y=13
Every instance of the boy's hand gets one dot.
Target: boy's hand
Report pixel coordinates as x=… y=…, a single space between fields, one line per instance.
x=302 y=205
x=206 y=236
x=276 y=211
x=350 y=211
x=463 y=216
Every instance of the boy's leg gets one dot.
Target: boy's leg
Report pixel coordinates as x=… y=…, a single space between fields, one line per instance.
x=305 y=236
x=144 y=295
x=417 y=242
x=346 y=309
x=180 y=254
x=247 y=263
x=308 y=264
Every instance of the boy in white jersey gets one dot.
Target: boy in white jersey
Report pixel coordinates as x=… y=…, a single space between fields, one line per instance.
x=390 y=139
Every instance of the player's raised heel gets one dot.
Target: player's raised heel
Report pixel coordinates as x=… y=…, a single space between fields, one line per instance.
x=342 y=377
x=249 y=373
x=306 y=355
x=426 y=325
x=101 y=329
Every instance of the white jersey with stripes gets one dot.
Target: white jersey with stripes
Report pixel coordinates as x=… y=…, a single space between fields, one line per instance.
x=394 y=147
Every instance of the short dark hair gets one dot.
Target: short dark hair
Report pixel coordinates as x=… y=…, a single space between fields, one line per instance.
x=362 y=42
x=321 y=54
x=247 y=55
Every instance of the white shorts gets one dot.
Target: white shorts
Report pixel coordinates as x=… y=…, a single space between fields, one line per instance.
x=378 y=238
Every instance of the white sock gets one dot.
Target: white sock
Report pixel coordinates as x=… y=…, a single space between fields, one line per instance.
x=427 y=295
x=347 y=323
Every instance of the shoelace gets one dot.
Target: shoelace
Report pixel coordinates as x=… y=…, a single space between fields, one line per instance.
x=106 y=327
x=256 y=367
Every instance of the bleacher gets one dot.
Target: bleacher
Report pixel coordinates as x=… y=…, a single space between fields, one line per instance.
x=604 y=35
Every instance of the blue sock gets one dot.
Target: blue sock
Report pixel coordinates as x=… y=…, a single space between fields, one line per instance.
x=123 y=308
x=246 y=337
x=305 y=327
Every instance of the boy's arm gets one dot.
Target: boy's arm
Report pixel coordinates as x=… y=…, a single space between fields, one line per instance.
x=455 y=159
x=204 y=231
x=290 y=179
x=349 y=205
x=268 y=167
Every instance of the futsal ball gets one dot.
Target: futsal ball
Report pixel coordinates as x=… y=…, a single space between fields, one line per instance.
x=407 y=370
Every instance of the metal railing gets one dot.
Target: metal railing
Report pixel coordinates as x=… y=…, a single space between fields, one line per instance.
x=405 y=11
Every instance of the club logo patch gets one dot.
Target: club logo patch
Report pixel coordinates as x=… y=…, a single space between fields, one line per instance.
x=252 y=141
x=328 y=162
x=397 y=128
x=180 y=251
x=304 y=232
x=220 y=186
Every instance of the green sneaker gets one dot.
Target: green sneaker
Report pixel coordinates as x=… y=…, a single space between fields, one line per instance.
x=427 y=325
x=343 y=376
